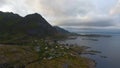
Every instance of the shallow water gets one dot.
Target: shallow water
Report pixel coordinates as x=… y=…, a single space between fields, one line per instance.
x=109 y=46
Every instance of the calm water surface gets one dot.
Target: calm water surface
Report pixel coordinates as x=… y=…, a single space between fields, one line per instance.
x=109 y=46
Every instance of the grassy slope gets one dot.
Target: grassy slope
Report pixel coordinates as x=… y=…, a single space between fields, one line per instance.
x=17 y=55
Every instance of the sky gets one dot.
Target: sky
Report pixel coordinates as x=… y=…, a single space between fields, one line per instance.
x=73 y=15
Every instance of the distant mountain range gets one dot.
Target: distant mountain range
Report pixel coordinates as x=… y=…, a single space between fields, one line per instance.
x=14 y=27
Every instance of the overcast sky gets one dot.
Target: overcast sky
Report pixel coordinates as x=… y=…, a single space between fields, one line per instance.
x=75 y=15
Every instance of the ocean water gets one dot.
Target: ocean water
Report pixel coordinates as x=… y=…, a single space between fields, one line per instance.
x=109 y=46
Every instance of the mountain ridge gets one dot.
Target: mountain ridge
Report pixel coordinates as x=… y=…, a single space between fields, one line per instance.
x=14 y=27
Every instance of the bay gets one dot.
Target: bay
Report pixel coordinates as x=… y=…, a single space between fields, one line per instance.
x=109 y=46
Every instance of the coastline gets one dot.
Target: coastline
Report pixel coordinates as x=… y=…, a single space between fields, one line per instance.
x=9 y=52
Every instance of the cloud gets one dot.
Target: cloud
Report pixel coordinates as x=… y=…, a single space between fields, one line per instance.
x=57 y=10
x=61 y=8
x=104 y=23
x=79 y=13
x=90 y=23
x=116 y=9
x=2 y=2
x=16 y=6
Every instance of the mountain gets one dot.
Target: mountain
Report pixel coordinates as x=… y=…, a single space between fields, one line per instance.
x=36 y=25
x=61 y=30
x=14 y=28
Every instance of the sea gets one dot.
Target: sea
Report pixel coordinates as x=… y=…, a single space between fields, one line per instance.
x=108 y=46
